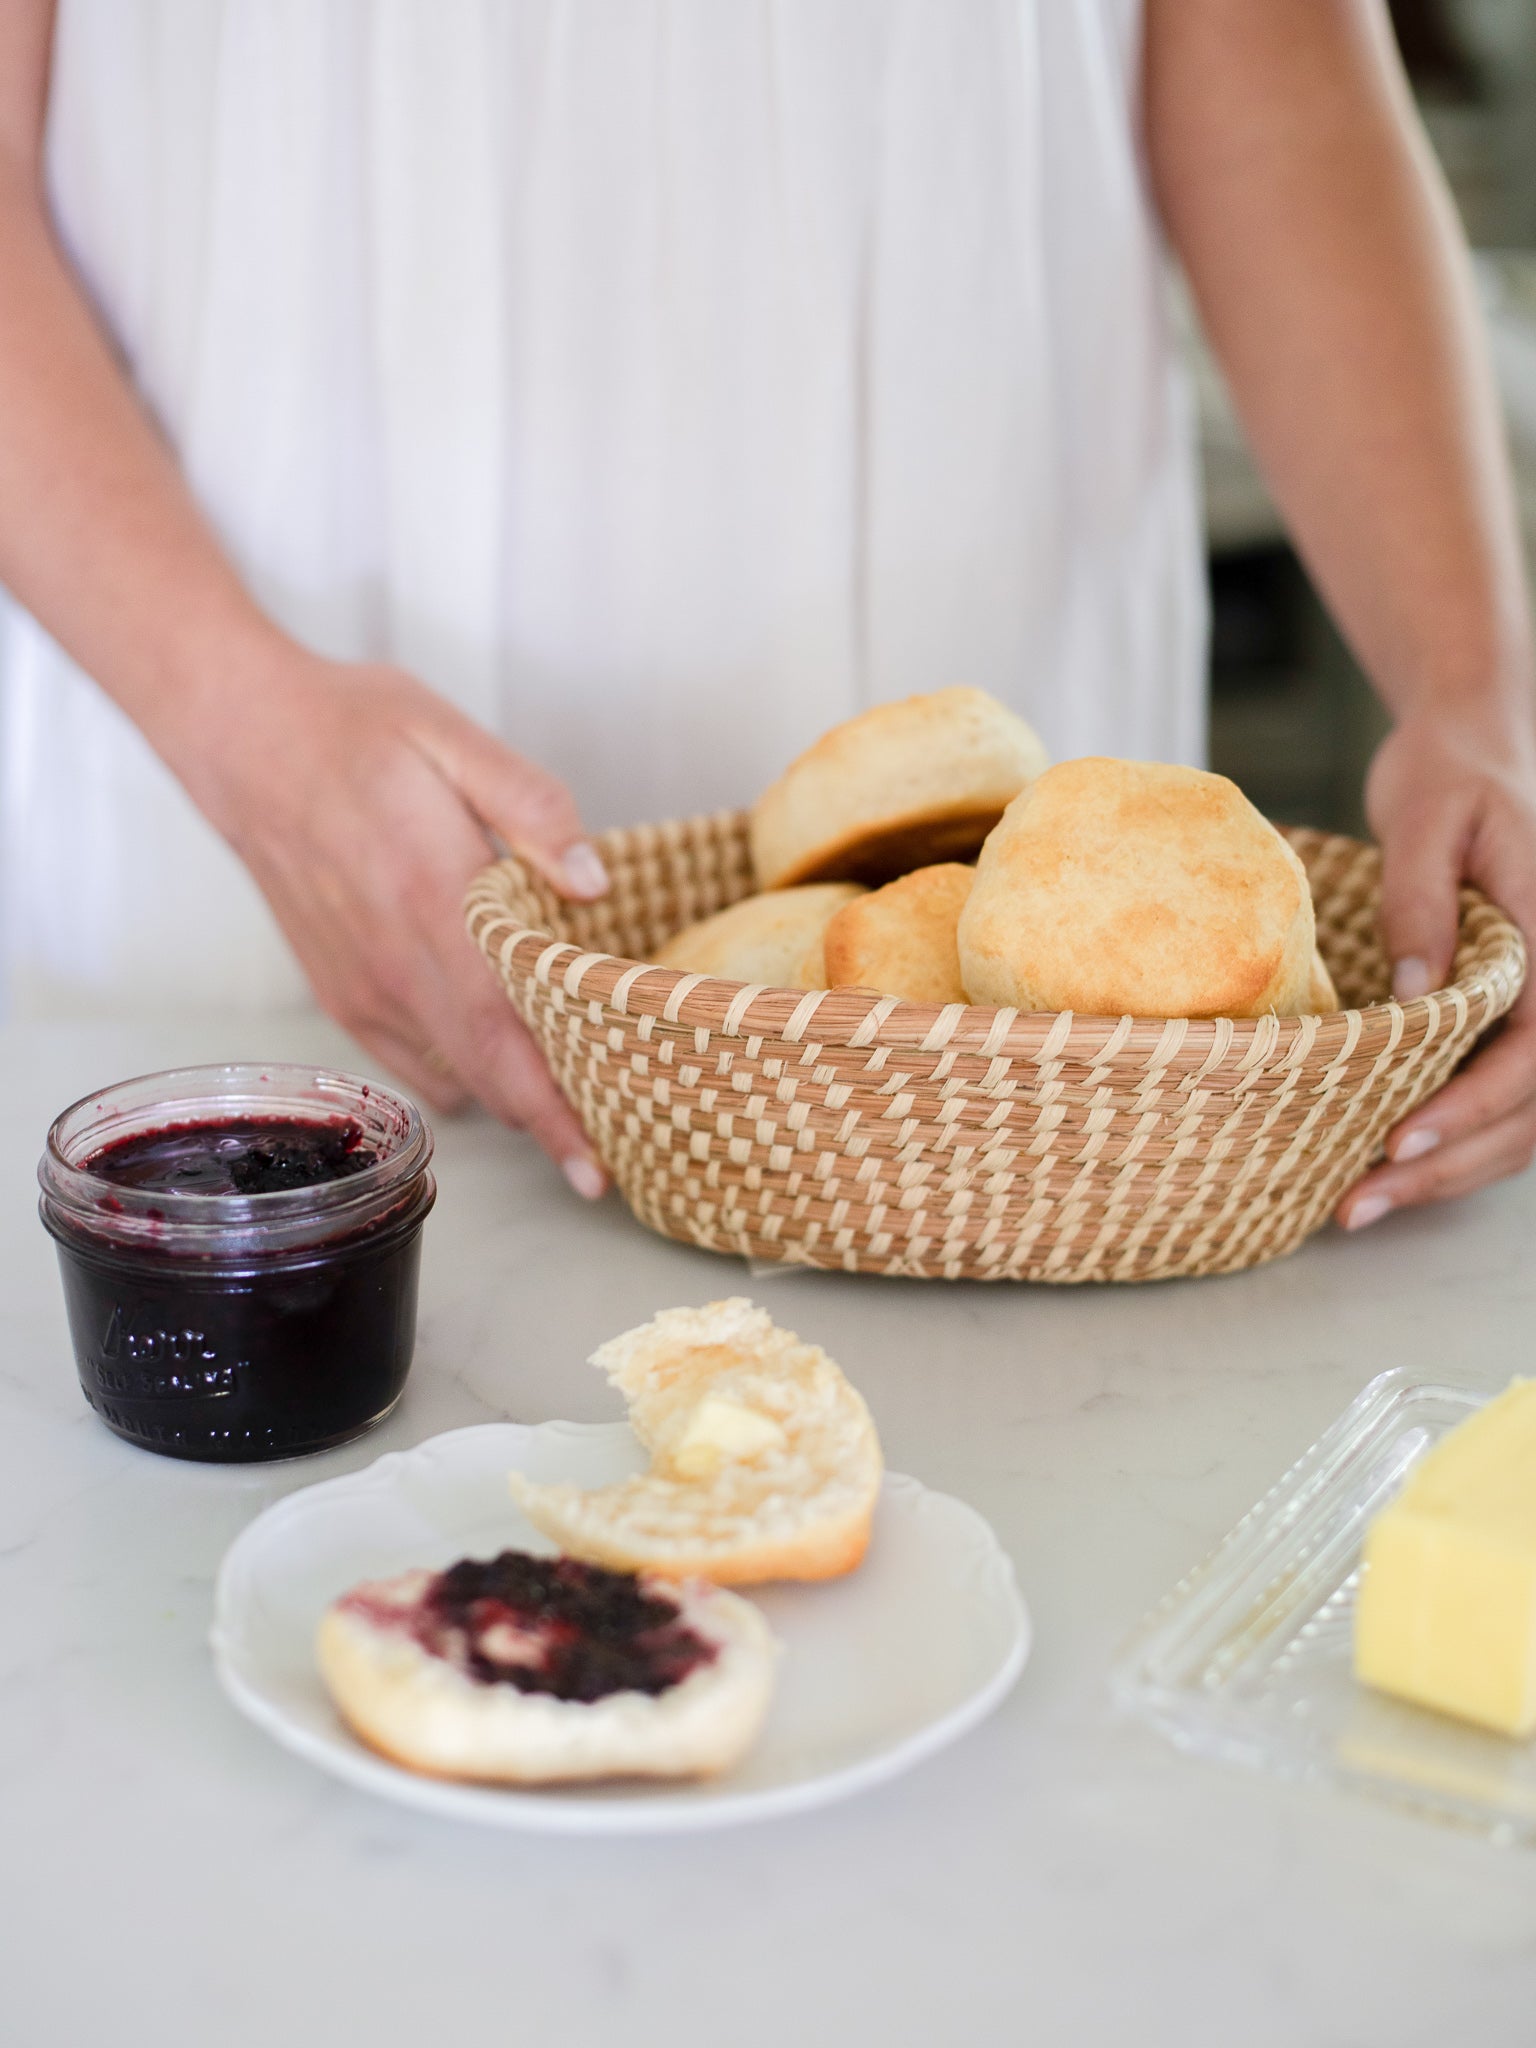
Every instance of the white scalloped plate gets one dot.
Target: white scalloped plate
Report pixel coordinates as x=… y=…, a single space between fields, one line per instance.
x=880 y=1669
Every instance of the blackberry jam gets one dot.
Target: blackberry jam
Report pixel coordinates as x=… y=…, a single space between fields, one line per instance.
x=239 y=1248
x=238 y=1156
x=542 y=1625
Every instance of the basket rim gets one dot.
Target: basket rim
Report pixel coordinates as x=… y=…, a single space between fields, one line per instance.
x=863 y=1019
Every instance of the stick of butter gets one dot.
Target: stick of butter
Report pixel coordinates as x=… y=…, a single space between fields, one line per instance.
x=1446 y=1614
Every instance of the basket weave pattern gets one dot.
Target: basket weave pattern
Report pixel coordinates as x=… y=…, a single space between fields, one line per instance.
x=856 y=1132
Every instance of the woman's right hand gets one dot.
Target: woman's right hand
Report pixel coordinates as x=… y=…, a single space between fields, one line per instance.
x=362 y=805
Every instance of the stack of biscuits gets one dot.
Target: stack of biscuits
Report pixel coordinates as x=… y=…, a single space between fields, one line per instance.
x=927 y=850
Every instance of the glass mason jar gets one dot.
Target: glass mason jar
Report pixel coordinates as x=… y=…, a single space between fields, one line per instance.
x=235 y=1327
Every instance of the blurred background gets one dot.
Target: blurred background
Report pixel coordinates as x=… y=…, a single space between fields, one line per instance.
x=1292 y=719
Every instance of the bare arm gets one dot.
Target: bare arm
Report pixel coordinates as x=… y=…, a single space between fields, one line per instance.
x=1332 y=279
x=82 y=470
x=360 y=802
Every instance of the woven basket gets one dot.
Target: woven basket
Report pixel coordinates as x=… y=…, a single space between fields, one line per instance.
x=856 y=1132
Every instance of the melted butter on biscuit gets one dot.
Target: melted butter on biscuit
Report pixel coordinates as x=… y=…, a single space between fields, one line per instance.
x=717 y=1430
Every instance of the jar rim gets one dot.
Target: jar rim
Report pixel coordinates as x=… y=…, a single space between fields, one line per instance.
x=195 y=1221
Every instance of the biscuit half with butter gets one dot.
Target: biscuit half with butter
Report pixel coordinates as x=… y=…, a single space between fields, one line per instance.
x=764 y=1460
x=901 y=786
x=773 y=938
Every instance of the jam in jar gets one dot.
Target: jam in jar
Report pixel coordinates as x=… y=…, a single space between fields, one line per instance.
x=239 y=1247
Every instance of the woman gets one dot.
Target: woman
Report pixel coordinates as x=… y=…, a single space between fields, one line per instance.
x=654 y=384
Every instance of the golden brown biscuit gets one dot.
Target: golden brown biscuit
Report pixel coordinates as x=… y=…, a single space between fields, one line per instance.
x=1128 y=887
x=899 y=787
x=774 y=938
x=901 y=939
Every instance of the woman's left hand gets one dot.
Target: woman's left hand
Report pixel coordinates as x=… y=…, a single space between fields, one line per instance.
x=1450 y=802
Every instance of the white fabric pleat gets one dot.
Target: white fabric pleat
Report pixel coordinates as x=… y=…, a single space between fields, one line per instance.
x=660 y=379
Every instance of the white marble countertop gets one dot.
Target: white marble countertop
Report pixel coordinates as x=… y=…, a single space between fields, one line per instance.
x=171 y=1877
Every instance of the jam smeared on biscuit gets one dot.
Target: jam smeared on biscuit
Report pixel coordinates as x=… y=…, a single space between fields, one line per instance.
x=243 y=1156
x=548 y=1625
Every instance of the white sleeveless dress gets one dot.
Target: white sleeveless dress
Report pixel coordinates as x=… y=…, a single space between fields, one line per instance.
x=662 y=380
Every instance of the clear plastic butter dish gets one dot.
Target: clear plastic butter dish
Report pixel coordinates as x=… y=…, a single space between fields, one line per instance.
x=1248 y=1661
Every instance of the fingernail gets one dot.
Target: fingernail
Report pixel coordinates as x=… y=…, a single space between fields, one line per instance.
x=1369 y=1209
x=586 y=1177
x=1411 y=979
x=1416 y=1144
x=583 y=870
